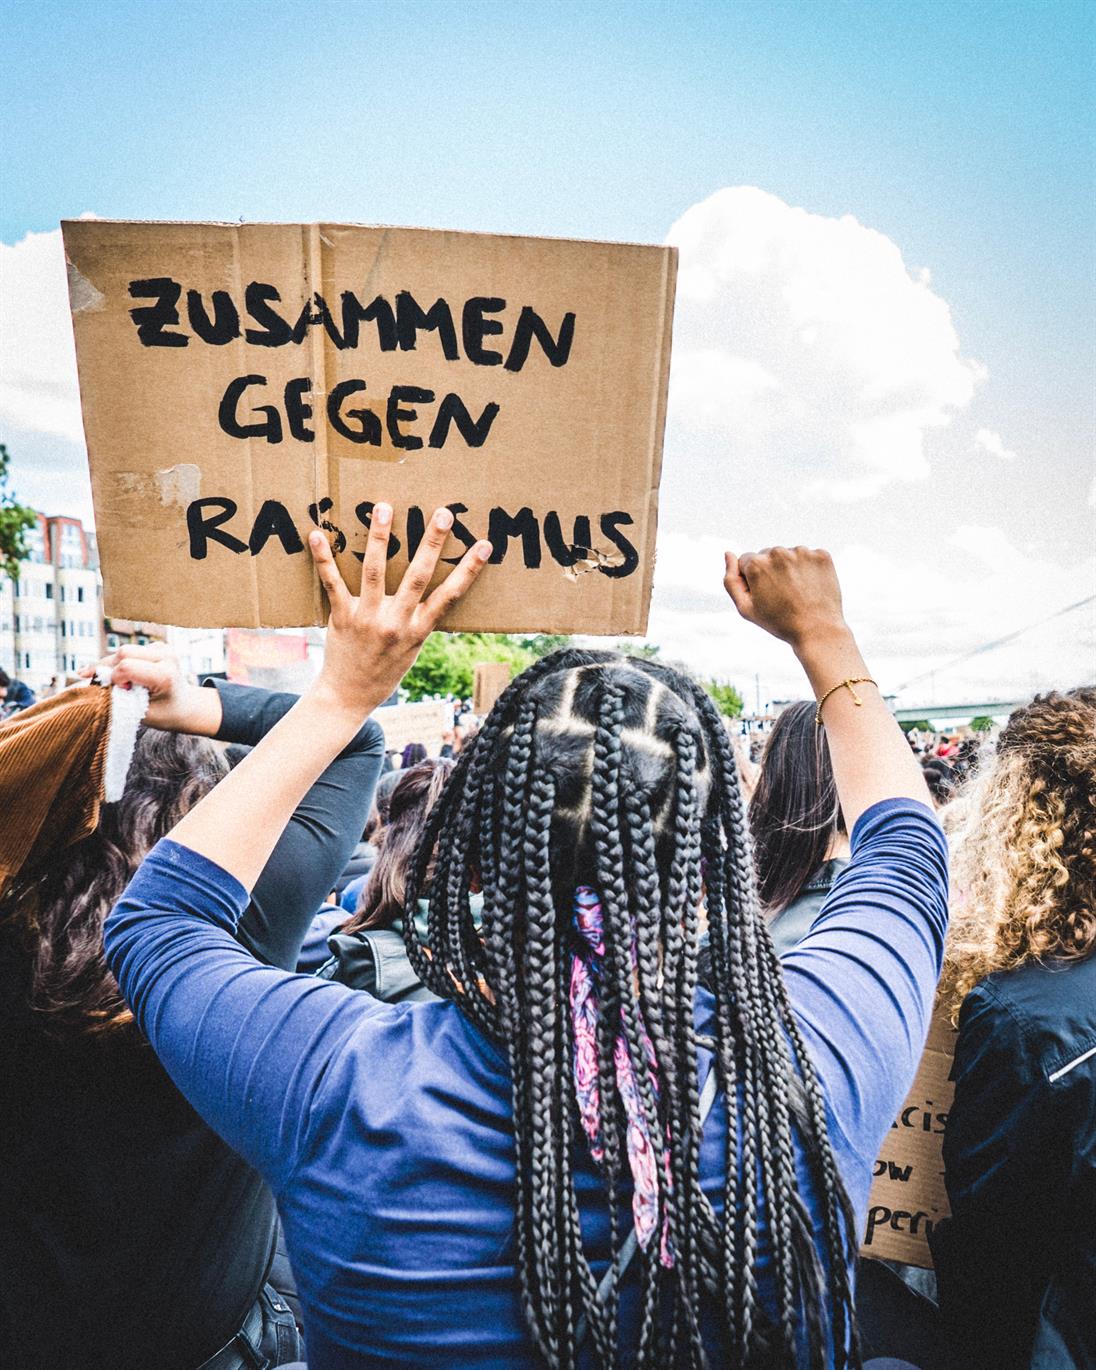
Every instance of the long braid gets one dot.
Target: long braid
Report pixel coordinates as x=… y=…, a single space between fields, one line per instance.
x=605 y=827
x=838 y=1235
x=618 y=775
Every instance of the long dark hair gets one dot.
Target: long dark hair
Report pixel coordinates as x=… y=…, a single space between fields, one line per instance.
x=794 y=812
x=409 y=803
x=55 y=912
x=616 y=773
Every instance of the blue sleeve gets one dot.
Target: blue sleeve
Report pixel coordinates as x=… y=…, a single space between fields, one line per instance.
x=248 y=1045
x=862 y=981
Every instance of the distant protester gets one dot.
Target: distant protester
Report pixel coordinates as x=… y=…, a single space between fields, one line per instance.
x=367 y=951
x=1016 y=1263
x=413 y=753
x=14 y=695
x=800 y=843
x=940 y=776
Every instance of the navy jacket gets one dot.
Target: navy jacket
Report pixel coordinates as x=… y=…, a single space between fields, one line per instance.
x=1016 y=1264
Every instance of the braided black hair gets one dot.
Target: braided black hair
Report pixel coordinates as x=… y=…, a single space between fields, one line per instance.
x=617 y=773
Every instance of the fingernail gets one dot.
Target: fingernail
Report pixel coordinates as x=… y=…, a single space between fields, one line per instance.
x=482 y=551
x=316 y=539
x=382 y=515
x=443 y=520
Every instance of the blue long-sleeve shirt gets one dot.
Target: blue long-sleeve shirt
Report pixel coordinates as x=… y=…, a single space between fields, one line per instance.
x=385 y=1131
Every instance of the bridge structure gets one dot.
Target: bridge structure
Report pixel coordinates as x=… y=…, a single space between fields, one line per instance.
x=944 y=716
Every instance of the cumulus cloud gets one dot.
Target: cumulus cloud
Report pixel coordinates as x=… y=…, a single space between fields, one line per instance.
x=38 y=386
x=914 y=611
x=991 y=442
x=804 y=346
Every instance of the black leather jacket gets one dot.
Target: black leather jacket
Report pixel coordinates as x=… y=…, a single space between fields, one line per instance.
x=1016 y=1263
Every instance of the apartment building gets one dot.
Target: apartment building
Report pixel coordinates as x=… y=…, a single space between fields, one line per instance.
x=51 y=618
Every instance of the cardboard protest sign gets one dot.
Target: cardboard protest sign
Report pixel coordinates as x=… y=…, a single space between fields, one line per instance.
x=426 y=722
x=908 y=1197
x=243 y=383
x=489 y=679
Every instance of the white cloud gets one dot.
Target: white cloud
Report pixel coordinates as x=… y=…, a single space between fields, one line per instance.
x=992 y=443
x=914 y=609
x=803 y=344
x=38 y=386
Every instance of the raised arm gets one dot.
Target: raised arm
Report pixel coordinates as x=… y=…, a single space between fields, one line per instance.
x=862 y=981
x=793 y=593
x=316 y=843
x=372 y=641
x=247 y=1044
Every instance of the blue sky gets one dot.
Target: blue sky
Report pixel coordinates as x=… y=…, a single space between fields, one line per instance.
x=961 y=132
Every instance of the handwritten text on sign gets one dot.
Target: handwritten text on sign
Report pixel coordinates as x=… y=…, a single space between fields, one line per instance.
x=246 y=382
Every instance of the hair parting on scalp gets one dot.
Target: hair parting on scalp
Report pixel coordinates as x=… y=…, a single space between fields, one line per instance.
x=616 y=774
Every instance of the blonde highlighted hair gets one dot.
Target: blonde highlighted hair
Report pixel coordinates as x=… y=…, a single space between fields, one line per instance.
x=1023 y=842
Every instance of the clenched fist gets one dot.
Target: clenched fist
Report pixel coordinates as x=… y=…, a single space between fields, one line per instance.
x=791 y=592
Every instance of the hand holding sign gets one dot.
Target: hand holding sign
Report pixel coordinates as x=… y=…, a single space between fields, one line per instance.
x=374 y=638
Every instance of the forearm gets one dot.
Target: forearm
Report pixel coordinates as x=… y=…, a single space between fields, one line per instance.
x=871 y=759
x=237 y=825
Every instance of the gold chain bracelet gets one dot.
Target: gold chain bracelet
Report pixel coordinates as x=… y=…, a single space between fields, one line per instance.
x=843 y=685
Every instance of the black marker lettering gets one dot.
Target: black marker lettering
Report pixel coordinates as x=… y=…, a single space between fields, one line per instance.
x=314 y=312
x=316 y=512
x=364 y=514
x=297 y=412
x=609 y=525
x=473 y=431
x=416 y=527
x=271 y=430
x=274 y=331
x=411 y=318
x=273 y=520
x=474 y=328
x=378 y=311
x=567 y=553
x=395 y=415
x=501 y=527
x=459 y=531
x=369 y=426
x=206 y=528
x=223 y=328
x=151 y=319
x=529 y=326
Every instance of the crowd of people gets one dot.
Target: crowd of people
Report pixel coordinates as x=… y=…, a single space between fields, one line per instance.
x=573 y=1046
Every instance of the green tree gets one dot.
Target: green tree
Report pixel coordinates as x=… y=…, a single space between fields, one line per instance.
x=447 y=662
x=921 y=724
x=540 y=644
x=646 y=650
x=16 y=520
x=727 y=699
x=982 y=724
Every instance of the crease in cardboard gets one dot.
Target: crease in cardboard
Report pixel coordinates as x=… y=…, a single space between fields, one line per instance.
x=83 y=296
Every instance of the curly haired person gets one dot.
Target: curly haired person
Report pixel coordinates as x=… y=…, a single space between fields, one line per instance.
x=1017 y=1262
